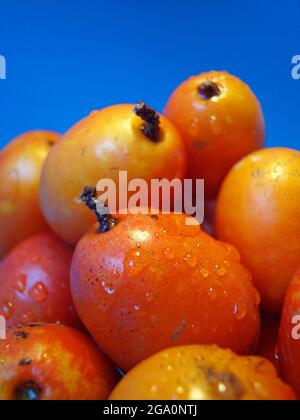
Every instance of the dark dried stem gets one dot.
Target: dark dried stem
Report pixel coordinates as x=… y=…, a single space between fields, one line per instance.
x=105 y=219
x=151 y=121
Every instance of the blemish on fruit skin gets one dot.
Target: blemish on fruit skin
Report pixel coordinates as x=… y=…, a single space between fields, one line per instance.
x=21 y=335
x=25 y=362
x=179 y=330
x=225 y=385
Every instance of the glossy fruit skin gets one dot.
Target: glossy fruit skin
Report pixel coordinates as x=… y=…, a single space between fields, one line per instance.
x=219 y=131
x=267 y=346
x=62 y=363
x=35 y=282
x=98 y=147
x=153 y=282
x=289 y=346
x=21 y=163
x=258 y=212
x=202 y=373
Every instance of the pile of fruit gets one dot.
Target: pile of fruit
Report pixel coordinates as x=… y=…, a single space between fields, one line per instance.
x=146 y=306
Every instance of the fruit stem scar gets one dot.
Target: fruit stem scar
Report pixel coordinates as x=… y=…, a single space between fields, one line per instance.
x=105 y=219
x=28 y=391
x=151 y=125
x=208 y=90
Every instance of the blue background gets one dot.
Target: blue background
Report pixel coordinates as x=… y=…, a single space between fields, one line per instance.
x=65 y=58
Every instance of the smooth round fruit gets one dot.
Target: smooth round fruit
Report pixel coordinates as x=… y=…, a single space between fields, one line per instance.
x=220 y=121
x=258 y=212
x=53 y=362
x=21 y=163
x=202 y=373
x=152 y=282
x=35 y=282
x=98 y=147
x=289 y=335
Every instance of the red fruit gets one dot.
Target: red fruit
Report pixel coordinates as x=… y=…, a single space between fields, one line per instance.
x=53 y=362
x=152 y=282
x=289 y=335
x=34 y=282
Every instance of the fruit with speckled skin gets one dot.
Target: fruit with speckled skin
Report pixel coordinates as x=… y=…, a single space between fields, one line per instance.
x=202 y=373
x=53 y=362
x=153 y=282
x=35 y=282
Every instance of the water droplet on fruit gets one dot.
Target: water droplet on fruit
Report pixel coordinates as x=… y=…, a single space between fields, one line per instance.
x=191 y=260
x=193 y=128
x=38 y=292
x=222 y=388
x=242 y=312
x=35 y=258
x=180 y=390
x=153 y=388
x=256 y=297
x=7 y=310
x=215 y=125
x=204 y=273
x=169 y=254
x=220 y=271
x=137 y=307
x=212 y=293
x=239 y=311
x=20 y=284
x=225 y=293
x=107 y=288
x=149 y=296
